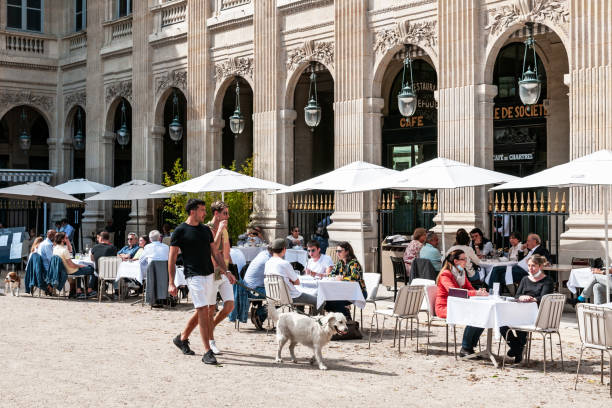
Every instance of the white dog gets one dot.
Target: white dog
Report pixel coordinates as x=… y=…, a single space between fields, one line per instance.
x=313 y=332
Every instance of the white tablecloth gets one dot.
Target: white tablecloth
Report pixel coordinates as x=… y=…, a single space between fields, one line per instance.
x=326 y=290
x=87 y=262
x=487 y=266
x=132 y=270
x=490 y=312
x=297 y=255
x=249 y=252
x=579 y=278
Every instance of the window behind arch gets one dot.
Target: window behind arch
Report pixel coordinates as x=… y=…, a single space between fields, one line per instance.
x=124 y=8
x=24 y=14
x=80 y=15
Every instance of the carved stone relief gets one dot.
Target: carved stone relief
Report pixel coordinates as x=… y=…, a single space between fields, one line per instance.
x=537 y=11
x=423 y=33
x=311 y=51
x=11 y=98
x=234 y=66
x=123 y=89
x=175 y=78
x=76 y=98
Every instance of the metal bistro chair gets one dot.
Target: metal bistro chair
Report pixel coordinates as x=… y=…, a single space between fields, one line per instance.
x=399 y=273
x=277 y=289
x=371 y=280
x=407 y=307
x=595 y=327
x=546 y=324
x=108 y=267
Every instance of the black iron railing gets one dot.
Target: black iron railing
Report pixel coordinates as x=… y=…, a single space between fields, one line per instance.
x=307 y=211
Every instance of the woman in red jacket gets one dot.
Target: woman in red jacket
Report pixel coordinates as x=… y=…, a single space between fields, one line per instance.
x=453 y=275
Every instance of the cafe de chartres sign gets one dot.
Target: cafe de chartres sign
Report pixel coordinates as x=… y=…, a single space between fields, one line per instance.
x=519 y=112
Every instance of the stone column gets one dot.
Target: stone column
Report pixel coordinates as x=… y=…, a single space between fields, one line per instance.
x=99 y=143
x=465 y=111
x=200 y=86
x=590 y=122
x=60 y=160
x=354 y=219
x=270 y=150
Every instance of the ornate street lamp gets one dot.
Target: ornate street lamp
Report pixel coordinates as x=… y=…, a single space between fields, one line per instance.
x=123 y=134
x=237 y=120
x=530 y=85
x=25 y=140
x=79 y=140
x=175 y=129
x=407 y=99
x=312 y=111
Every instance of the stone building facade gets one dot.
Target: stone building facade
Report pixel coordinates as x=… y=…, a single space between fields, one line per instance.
x=140 y=54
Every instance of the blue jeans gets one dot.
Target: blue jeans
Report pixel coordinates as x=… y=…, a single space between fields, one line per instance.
x=85 y=271
x=241 y=303
x=470 y=337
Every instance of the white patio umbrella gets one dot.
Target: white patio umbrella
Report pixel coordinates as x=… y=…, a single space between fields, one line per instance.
x=132 y=190
x=439 y=173
x=220 y=181
x=592 y=169
x=82 y=186
x=353 y=175
x=39 y=192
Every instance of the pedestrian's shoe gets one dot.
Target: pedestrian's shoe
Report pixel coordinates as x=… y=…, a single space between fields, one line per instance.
x=183 y=345
x=573 y=301
x=213 y=347
x=465 y=352
x=209 y=358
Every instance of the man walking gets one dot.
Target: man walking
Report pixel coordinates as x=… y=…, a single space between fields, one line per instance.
x=196 y=244
x=218 y=226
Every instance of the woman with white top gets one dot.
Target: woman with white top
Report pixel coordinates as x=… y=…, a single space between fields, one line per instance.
x=516 y=249
x=462 y=242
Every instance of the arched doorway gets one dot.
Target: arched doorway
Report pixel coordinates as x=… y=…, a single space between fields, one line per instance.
x=313 y=149
x=24 y=132
x=174 y=150
x=407 y=142
x=122 y=166
x=237 y=148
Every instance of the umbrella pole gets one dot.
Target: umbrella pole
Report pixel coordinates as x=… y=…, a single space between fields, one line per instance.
x=607 y=261
x=137 y=220
x=222 y=196
x=37 y=211
x=441 y=211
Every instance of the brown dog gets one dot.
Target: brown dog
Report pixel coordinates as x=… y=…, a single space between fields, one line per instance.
x=12 y=283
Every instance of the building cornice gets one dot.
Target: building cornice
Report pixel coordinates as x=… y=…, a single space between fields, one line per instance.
x=23 y=65
x=234 y=23
x=401 y=7
x=289 y=7
x=308 y=28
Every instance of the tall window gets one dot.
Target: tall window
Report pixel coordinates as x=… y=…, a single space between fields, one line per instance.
x=80 y=16
x=124 y=8
x=24 y=14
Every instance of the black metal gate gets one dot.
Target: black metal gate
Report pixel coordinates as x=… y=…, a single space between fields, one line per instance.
x=306 y=211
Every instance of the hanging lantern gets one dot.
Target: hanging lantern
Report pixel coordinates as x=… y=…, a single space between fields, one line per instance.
x=175 y=129
x=237 y=120
x=530 y=85
x=25 y=140
x=79 y=140
x=312 y=111
x=123 y=134
x=407 y=99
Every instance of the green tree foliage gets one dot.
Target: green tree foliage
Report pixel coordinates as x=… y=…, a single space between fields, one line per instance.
x=239 y=203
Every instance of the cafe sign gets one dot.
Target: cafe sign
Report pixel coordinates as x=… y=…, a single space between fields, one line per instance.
x=510 y=157
x=519 y=112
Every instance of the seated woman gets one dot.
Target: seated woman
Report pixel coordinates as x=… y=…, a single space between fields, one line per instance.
x=462 y=242
x=347 y=268
x=531 y=289
x=35 y=245
x=63 y=249
x=414 y=247
x=453 y=275
x=142 y=241
x=482 y=246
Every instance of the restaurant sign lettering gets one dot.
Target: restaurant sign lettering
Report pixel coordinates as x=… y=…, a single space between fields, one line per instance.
x=519 y=112
x=504 y=157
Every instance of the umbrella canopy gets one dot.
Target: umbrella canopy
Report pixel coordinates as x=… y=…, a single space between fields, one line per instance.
x=439 y=173
x=351 y=176
x=132 y=190
x=37 y=191
x=592 y=169
x=82 y=186
x=220 y=181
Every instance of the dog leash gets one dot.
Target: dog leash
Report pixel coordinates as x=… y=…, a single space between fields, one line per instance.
x=293 y=308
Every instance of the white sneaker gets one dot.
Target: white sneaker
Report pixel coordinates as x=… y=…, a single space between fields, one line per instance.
x=214 y=348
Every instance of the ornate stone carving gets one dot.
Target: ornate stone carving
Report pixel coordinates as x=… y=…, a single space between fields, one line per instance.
x=537 y=11
x=234 y=66
x=123 y=89
x=423 y=33
x=311 y=51
x=76 y=98
x=15 y=98
x=175 y=78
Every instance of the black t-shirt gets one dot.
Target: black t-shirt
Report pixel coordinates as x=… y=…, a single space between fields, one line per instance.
x=194 y=243
x=100 y=250
x=535 y=289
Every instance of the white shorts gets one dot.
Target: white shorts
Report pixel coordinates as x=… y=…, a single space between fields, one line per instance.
x=203 y=290
x=225 y=288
